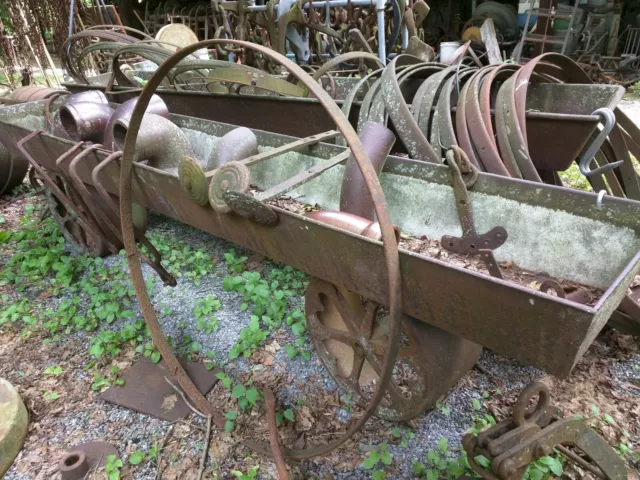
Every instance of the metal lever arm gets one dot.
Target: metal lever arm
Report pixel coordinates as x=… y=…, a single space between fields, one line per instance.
x=566 y=431
x=585 y=161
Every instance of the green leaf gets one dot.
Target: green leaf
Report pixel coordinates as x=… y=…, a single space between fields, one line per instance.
x=252 y=395
x=279 y=418
x=136 y=458
x=231 y=415
x=535 y=474
x=306 y=355
x=291 y=351
x=115 y=475
x=396 y=432
x=386 y=458
x=483 y=461
x=595 y=411
x=371 y=461
x=238 y=391
x=609 y=419
x=229 y=425
x=378 y=475
x=289 y=415
x=476 y=404
x=195 y=347
x=443 y=444
x=155 y=357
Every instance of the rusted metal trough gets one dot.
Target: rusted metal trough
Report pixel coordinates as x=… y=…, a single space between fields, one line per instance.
x=462 y=259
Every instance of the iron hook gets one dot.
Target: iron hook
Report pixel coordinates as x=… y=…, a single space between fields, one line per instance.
x=585 y=161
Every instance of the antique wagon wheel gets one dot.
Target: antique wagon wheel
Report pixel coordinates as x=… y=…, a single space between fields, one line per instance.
x=81 y=240
x=349 y=335
x=389 y=244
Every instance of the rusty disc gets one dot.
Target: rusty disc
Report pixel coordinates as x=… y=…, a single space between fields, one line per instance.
x=193 y=180
x=81 y=240
x=349 y=335
x=250 y=207
x=232 y=176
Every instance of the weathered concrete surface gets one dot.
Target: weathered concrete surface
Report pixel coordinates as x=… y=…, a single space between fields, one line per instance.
x=13 y=425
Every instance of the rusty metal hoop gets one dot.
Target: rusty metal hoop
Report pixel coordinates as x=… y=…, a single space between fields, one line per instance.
x=82 y=241
x=392 y=262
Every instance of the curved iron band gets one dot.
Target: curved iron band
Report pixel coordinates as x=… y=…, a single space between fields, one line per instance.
x=78 y=76
x=351 y=97
x=62 y=196
x=416 y=102
x=488 y=90
x=94 y=207
x=376 y=108
x=421 y=70
x=479 y=119
x=366 y=104
x=381 y=209
x=166 y=277
x=431 y=95
x=514 y=131
x=462 y=130
x=444 y=135
x=406 y=126
x=504 y=142
x=85 y=196
x=345 y=57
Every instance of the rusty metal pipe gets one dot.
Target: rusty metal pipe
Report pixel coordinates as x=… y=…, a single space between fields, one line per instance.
x=85 y=120
x=348 y=221
x=354 y=197
x=123 y=114
x=160 y=141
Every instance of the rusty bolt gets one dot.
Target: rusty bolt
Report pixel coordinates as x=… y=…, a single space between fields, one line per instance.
x=543 y=450
x=507 y=468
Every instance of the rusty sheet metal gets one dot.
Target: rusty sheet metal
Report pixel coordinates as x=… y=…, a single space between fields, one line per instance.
x=145 y=389
x=552 y=333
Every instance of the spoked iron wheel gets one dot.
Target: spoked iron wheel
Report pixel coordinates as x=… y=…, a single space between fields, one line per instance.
x=81 y=240
x=349 y=335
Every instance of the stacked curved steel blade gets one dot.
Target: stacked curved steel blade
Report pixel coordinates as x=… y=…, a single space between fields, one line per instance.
x=527 y=122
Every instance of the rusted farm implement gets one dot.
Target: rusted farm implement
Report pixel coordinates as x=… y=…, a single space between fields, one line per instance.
x=460 y=275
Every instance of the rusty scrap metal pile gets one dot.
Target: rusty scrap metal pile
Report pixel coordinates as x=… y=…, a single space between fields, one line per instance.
x=485 y=145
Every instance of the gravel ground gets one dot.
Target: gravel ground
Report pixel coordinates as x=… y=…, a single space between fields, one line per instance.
x=79 y=417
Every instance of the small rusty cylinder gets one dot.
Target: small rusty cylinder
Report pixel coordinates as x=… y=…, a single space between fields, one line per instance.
x=354 y=197
x=236 y=145
x=13 y=168
x=74 y=465
x=85 y=120
x=193 y=180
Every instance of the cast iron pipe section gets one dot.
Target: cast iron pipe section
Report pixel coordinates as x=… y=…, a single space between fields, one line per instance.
x=85 y=120
x=354 y=197
x=234 y=146
x=123 y=113
x=160 y=141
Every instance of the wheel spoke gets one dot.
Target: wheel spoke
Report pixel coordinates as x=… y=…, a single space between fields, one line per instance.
x=346 y=312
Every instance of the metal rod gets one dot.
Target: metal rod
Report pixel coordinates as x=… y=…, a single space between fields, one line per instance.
x=382 y=48
x=332 y=4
